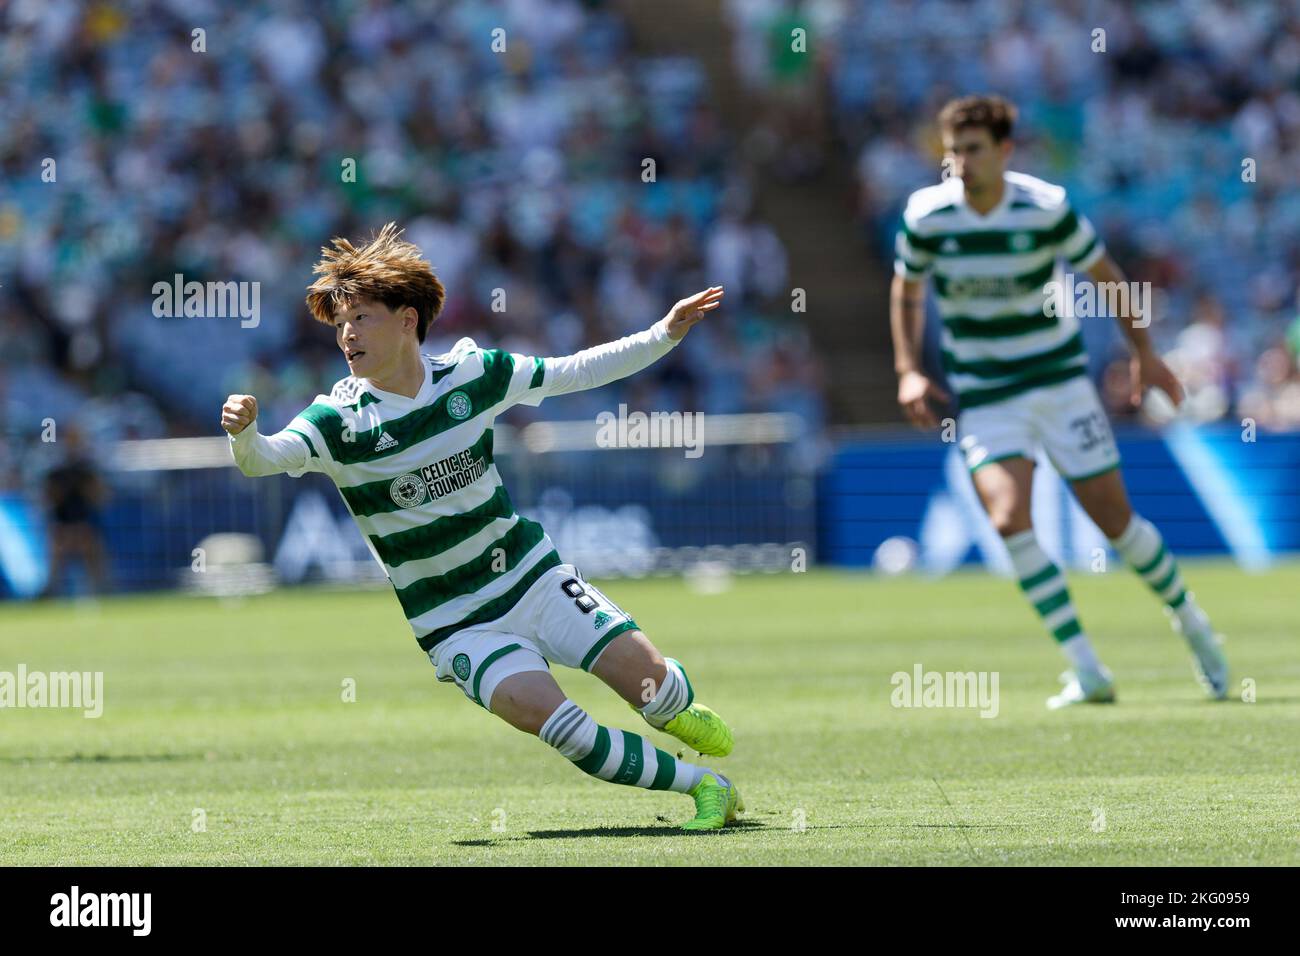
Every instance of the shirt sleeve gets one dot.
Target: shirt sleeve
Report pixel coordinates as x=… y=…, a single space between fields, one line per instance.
x=287 y=452
x=911 y=259
x=533 y=379
x=1077 y=241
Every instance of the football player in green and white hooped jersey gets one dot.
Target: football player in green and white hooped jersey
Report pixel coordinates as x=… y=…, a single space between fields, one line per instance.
x=407 y=438
x=993 y=240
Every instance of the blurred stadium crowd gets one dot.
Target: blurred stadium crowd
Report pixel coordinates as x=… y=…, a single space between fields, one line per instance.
x=517 y=170
x=521 y=170
x=1148 y=136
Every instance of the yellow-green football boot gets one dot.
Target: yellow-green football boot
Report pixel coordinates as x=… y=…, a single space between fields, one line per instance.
x=717 y=801
x=702 y=730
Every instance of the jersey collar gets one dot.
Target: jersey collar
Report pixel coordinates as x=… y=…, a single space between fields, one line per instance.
x=1007 y=189
x=420 y=397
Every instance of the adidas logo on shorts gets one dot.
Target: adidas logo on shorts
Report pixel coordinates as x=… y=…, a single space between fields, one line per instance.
x=386 y=441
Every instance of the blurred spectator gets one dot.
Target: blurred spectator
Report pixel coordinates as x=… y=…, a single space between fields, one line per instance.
x=74 y=495
x=517 y=171
x=1180 y=140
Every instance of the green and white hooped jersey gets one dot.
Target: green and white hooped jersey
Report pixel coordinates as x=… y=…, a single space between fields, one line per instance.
x=418 y=477
x=999 y=336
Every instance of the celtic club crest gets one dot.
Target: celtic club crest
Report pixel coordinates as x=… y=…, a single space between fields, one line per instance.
x=460 y=664
x=458 y=406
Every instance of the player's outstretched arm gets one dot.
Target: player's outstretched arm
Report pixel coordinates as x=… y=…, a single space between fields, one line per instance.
x=607 y=363
x=258 y=455
x=1147 y=369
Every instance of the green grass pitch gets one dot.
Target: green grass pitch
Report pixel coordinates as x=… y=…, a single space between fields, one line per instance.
x=236 y=709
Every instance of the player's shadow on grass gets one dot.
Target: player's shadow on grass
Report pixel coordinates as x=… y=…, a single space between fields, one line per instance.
x=965 y=826
x=737 y=826
x=103 y=758
x=659 y=831
x=1231 y=701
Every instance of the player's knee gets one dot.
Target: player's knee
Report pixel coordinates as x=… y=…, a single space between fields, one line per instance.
x=1009 y=521
x=523 y=705
x=519 y=714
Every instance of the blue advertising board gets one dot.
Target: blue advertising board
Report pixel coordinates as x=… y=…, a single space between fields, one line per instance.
x=1210 y=489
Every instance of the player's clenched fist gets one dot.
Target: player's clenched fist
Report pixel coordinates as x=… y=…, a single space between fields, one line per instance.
x=238 y=413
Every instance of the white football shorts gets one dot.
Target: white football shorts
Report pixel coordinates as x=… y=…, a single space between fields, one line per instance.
x=1066 y=420
x=561 y=618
